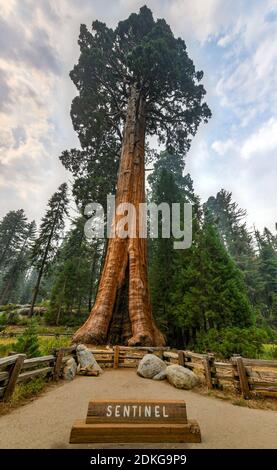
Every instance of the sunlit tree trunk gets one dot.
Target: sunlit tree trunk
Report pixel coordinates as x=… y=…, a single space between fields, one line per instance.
x=122 y=302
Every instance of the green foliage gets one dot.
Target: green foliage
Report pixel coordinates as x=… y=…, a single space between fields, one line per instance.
x=247 y=342
x=27 y=390
x=5 y=348
x=75 y=278
x=198 y=288
x=9 y=318
x=48 y=344
x=167 y=185
x=46 y=246
x=267 y=271
x=50 y=230
x=3 y=320
x=269 y=352
x=208 y=290
x=12 y=229
x=28 y=342
x=8 y=307
x=16 y=237
x=139 y=52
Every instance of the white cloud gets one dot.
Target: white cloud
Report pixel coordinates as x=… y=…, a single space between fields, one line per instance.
x=263 y=141
x=223 y=147
x=244 y=69
x=248 y=83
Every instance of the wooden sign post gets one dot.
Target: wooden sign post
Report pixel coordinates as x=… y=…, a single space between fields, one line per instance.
x=119 y=421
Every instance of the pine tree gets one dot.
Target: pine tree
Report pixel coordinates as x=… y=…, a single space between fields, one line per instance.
x=208 y=289
x=267 y=271
x=229 y=219
x=19 y=265
x=167 y=184
x=50 y=233
x=27 y=342
x=12 y=230
x=75 y=276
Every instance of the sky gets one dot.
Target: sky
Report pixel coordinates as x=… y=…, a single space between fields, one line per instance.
x=233 y=42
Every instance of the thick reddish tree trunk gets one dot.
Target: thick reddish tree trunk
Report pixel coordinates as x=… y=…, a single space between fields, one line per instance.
x=122 y=310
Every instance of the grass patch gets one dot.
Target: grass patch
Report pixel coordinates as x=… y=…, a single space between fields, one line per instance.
x=27 y=390
x=228 y=393
x=46 y=345
x=6 y=345
x=41 y=328
x=23 y=393
x=269 y=352
x=239 y=402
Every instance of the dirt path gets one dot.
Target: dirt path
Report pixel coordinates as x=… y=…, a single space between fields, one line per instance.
x=46 y=422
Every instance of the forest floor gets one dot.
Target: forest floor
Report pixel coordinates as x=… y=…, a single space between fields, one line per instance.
x=46 y=421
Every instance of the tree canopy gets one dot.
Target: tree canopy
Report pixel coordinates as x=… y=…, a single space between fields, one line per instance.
x=139 y=52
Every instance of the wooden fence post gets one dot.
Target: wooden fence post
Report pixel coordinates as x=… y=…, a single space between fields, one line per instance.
x=14 y=373
x=215 y=379
x=115 y=357
x=207 y=371
x=235 y=374
x=243 y=380
x=187 y=359
x=181 y=358
x=58 y=364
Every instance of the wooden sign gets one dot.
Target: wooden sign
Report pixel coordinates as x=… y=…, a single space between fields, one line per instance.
x=125 y=421
x=135 y=411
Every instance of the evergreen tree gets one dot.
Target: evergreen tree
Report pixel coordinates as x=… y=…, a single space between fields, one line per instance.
x=27 y=342
x=229 y=219
x=167 y=184
x=18 y=266
x=75 y=276
x=267 y=271
x=208 y=289
x=12 y=232
x=50 y=233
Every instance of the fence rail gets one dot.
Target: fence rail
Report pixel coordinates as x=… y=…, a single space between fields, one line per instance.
x=248 y=376
x=16 y=334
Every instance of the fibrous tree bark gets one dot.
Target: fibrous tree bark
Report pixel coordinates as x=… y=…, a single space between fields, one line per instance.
x=125 y=269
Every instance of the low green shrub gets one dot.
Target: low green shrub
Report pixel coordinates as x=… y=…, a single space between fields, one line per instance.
x=27 y=390
x=6 y=348
x=247 y=342
x=269 y=352
x=7 y=307
x=48 y=344
x=28 y=342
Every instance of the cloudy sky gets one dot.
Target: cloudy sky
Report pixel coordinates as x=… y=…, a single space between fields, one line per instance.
x=233 y=42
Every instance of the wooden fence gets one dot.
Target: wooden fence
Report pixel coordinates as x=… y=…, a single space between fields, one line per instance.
x=14 y=334
x=247 y=376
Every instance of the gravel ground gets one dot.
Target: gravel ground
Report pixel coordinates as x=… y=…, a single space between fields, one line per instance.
x=46 y=422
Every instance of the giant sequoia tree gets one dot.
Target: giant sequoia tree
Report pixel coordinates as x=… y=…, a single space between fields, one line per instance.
x=134 y=81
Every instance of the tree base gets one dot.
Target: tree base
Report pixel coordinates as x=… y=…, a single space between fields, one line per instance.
x=87 y=337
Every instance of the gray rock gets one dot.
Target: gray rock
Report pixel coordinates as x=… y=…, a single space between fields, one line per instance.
x=86 y=359
x=70 y=369
x=181 y=377
x=151 y=366
x=160 y=376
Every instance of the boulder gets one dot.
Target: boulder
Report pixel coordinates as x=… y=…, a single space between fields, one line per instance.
x=181 y=377
x=86 y=359
x=70 y=369
x=151 y=366
x=161 y=375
